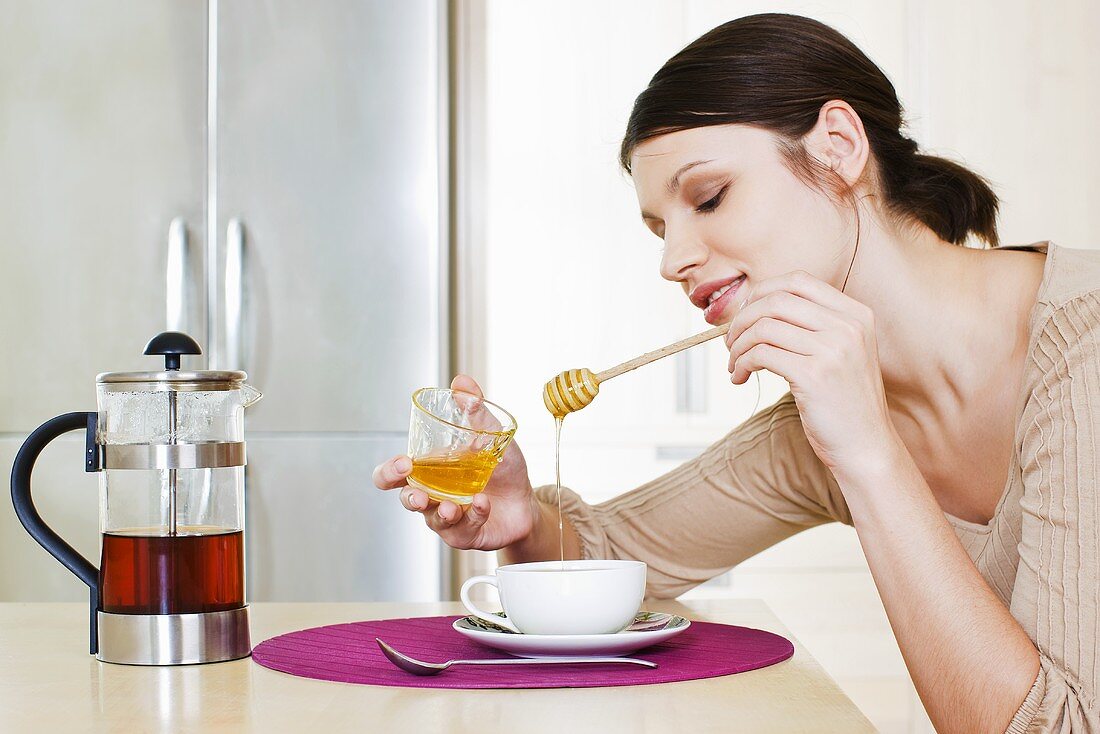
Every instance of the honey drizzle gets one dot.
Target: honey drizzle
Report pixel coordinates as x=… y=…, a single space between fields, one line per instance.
x=558 y=420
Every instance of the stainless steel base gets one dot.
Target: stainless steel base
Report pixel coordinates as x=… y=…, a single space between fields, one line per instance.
x=173 y=639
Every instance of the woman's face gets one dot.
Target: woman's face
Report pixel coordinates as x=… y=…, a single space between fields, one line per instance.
x=731 y=213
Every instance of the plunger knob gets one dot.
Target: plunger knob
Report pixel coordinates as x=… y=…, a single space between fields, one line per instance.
x=172 y=345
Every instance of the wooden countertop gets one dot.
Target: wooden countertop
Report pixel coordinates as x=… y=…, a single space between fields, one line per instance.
x=49 y=683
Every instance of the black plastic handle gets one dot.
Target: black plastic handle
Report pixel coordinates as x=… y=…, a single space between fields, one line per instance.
x=28 y=514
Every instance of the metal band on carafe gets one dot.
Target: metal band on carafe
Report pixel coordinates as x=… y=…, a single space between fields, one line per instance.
x=206 y=455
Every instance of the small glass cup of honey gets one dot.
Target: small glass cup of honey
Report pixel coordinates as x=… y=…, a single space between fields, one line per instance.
x=456 y=439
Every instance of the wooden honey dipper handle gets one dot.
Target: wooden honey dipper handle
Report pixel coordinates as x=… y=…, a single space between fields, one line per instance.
x=656 y=354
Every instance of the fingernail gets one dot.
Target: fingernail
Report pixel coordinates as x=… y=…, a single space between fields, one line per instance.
x=402 y=464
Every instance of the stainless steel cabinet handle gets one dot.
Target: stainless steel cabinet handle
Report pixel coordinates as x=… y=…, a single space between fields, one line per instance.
x=176 y=283
x=234 y=294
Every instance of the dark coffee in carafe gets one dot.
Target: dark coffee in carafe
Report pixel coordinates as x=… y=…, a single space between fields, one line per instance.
x=197 y=570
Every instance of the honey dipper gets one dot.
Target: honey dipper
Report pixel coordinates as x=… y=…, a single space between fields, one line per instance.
x=575 y=389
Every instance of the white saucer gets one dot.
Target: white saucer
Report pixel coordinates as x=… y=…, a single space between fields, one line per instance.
x=552 y=646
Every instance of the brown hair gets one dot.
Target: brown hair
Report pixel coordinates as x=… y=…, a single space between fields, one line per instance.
x=775 y=71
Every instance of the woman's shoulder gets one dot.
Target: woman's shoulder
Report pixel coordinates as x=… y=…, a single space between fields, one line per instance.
x=1070 y=274
x=1065 y=324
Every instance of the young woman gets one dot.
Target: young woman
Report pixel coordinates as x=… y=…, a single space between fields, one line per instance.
x=944 y=400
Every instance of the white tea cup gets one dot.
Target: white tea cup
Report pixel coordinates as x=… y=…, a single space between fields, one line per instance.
x=574 y=598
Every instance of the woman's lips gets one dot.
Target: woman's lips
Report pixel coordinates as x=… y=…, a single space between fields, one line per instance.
x=713 y=313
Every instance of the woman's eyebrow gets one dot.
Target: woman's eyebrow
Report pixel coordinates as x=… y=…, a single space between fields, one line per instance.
x=674 y=183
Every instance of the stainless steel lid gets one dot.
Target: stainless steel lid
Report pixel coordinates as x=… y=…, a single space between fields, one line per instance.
x=178 y=380
x=172 y=345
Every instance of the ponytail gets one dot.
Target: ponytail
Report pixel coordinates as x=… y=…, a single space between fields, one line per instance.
x=951 y=200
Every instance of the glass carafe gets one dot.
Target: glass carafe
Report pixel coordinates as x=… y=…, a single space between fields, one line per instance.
x=169 y=448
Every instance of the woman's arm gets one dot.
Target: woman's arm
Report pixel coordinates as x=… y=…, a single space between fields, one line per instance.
x=975 y=666
x=971 y=661
x=1056 y=596
x=758 y=485
x=544 y=544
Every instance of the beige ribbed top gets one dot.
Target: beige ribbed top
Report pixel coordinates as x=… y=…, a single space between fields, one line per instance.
x=1040 y=553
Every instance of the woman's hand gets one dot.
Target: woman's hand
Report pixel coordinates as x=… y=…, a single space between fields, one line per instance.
x=502 y=514
x=823 y=343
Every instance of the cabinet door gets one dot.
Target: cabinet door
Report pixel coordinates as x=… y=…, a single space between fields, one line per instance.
x=319 y=531
x=329 y=168
x=329 y=120
x=102 y=110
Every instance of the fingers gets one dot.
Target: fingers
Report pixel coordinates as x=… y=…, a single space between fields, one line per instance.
x=452 y=523
x=392 y=473
x=782 y=306
x=415 y=499
x=458 y=524
x=465 y=383
x=777 y=333
x=791 y=319
x=447 y=514
x=439 y=515
x=804 y=285
x=476 y=413
x=801 y=283
x=766 y=357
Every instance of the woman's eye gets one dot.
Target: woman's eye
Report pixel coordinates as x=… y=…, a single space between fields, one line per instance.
x=712 y=203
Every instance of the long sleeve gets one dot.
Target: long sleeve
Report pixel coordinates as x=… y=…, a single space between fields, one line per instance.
x=758 y=485
x=1056 y=596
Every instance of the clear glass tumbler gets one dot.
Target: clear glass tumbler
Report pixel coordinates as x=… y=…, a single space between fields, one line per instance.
x=455 y=441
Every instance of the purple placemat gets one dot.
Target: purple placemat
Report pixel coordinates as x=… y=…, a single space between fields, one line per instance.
x=349 y=654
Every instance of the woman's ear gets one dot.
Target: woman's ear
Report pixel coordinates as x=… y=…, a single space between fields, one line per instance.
x=839 y=141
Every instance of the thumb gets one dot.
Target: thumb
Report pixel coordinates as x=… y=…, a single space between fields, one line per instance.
x=465 y=383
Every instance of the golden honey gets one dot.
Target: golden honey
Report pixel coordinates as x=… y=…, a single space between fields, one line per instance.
x=454 y=475
x=558 y=420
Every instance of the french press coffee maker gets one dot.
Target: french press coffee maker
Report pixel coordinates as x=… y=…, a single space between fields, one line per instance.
x=169 y=449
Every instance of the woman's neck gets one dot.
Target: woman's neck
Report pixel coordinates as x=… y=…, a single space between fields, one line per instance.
x=951 y=322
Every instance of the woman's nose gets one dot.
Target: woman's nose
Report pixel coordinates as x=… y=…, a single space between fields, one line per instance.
x=682 y=253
